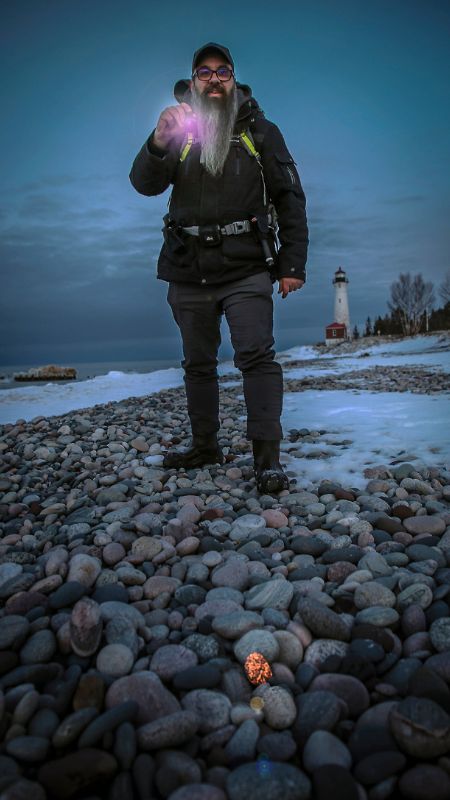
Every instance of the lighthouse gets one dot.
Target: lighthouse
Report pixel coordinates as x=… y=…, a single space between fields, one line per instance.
x=339 y=330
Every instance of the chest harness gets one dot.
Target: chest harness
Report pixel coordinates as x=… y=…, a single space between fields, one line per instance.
x=211 y=235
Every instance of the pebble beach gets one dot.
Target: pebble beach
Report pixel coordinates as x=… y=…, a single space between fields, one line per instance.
x=131 y=598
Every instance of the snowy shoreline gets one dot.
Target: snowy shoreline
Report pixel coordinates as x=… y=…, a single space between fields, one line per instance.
x=360 y=427
x=53 y=399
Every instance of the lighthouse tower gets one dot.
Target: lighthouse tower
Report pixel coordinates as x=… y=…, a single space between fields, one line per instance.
x=341 y=312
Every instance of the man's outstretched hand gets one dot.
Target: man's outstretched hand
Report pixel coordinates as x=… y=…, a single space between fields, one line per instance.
x=170 y=124
x=286 y=285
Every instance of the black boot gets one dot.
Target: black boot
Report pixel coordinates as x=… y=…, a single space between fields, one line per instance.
x=204 y=450
x=269 y=474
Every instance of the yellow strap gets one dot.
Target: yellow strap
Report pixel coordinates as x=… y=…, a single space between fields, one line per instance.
x=249 y=144
x=187 y=146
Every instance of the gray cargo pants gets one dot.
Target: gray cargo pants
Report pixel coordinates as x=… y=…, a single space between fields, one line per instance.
x=248 y=308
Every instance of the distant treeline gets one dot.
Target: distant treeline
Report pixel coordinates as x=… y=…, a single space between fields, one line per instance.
x=412 y=310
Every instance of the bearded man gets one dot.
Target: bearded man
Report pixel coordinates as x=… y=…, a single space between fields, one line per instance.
x=231 y=171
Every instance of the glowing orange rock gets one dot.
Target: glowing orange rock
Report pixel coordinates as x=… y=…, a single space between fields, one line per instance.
x=257 y=668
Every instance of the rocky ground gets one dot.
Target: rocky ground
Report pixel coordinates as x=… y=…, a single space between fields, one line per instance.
x=132 y=596
x=418 y=380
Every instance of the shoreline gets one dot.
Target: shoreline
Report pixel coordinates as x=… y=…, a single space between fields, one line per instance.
x=325 y=370
x=87 y=370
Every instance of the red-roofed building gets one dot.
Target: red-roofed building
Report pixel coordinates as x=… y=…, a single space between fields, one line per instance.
x=335 y=333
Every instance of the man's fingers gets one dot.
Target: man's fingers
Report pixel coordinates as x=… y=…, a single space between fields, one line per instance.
x=181 y=115
x=281 y=289
x=288 y=285
x=168 y=119
x=177 y=116
x=173 y=117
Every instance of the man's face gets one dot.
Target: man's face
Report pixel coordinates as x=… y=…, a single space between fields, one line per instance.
x=213 y=88
x=215 y=104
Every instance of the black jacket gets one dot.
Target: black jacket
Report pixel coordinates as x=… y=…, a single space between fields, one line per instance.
x=200 y=199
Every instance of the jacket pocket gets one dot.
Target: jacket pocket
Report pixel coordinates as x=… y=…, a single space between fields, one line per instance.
x=288 y=169
x=244 y=248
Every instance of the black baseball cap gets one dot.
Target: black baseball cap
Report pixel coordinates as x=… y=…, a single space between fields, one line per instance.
x=212 y=46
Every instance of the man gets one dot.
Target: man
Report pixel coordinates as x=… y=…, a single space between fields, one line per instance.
x=227 y=164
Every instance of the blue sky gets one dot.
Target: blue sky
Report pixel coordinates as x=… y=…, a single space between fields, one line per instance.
x=359 y=90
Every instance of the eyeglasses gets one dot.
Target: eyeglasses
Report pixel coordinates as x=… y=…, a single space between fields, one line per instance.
x=205 y=73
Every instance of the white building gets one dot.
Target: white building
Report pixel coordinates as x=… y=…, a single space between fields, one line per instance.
x=339 y=330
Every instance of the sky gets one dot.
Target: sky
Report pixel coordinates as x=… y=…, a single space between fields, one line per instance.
x=358 y=88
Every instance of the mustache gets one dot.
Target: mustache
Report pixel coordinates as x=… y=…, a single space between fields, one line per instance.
x=215 y=87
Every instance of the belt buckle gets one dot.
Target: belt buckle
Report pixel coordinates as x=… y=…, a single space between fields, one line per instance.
x=210 y=235
x=239 y=227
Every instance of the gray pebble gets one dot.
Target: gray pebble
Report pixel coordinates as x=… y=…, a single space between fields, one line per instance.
x=108 y=721
x=169 y=731
x=39 y=648
x=72 y=726
x=212 y=708
x=242 y=745
x=267 y=780
x=324 y=748
x=30 y=749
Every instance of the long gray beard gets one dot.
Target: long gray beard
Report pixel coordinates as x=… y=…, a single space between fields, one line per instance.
x=216 y=120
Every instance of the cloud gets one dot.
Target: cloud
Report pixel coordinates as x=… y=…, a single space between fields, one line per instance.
x=412 y=198
x=75 y=270
x=79 y=255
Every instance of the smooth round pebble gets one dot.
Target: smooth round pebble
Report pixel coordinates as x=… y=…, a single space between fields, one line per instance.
x=440 y=634
x=324 y=748
x=425 y=781
x=115 y=659
x=172 y=658
x=257 y=641
x=266 y=780
x=279 y=707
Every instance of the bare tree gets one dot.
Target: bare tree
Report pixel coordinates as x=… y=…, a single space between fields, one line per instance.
x=411 y=298
x=444 y=289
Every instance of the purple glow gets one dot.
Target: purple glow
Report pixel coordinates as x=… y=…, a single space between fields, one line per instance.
x=190 y=123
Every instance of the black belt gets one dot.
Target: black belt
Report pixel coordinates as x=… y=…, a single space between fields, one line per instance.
x=232 y=229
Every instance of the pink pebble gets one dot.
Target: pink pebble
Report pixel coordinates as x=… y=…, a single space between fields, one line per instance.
x=402 y=537
x=113 y=553
x=188 y=546
x=188 y=513
x=415 y=643
x=364 y=539
x=234 y=473
x=275 y=519
x=12 y=538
